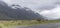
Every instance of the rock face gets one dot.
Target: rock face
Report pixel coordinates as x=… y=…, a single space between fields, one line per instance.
x=16 y=12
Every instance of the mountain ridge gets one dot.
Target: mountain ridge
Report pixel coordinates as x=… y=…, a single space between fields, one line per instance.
x=18 y=13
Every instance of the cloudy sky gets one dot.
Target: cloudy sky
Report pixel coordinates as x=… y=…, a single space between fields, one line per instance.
x=47 y=8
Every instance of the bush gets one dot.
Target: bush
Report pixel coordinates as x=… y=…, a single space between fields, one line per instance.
x=0 y=26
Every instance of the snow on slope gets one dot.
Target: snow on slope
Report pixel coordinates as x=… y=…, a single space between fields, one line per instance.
x=40 y=6
x=34 y=5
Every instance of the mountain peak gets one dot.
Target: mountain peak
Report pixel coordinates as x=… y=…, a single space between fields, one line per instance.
x=7 y=12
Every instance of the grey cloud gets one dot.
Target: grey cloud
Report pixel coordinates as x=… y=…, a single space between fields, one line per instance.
x=49 y=5
x=37 y=5
x=33 y=3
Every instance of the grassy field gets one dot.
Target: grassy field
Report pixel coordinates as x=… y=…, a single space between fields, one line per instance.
x=5 y=23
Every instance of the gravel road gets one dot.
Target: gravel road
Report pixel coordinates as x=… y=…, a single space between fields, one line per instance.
x=56 y=25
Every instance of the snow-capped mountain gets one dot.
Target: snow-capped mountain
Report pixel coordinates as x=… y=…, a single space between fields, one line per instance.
x=17 y=12
x=37 y=6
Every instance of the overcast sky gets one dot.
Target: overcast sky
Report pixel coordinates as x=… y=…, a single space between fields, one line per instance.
x=47 y=8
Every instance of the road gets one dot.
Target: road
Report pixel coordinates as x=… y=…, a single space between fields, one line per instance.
x=56 y=25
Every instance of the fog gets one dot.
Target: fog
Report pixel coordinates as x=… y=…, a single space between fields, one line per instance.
x=47 y=8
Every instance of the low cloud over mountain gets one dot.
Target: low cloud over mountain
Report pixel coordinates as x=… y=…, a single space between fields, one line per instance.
x=17 y=12
x=38 y=6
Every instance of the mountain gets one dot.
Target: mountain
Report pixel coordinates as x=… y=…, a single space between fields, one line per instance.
x=17 y=12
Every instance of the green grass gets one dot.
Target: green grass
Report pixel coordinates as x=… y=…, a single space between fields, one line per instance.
x=4 y=23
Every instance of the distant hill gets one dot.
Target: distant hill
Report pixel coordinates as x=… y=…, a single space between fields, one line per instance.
x=17 y=12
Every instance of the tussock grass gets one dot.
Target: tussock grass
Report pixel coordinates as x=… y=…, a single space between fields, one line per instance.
x=8 y=23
